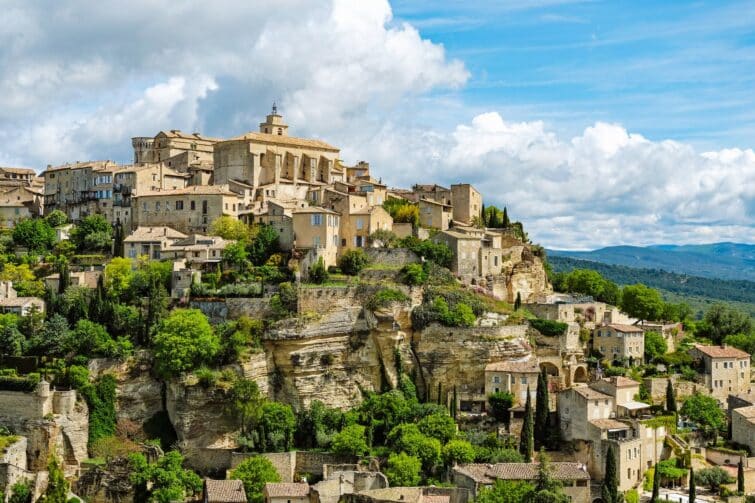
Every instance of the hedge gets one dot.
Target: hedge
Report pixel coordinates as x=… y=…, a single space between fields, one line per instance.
x=27 y=384
x=549 y=328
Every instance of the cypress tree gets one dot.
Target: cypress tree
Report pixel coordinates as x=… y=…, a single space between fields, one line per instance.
x=493 y=218
x=505 y=220
x=454 y=405
x=692 y=489
x=609 y=488
x=527 y=441
x=656 y=485
x=542 y=411
x=483 y=216
x=439 y=389
x=740 y=477
x=670 y=398
x=518 y=301
x=64 y=275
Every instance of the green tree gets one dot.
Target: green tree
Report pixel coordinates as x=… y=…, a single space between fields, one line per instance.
x=518 y=301
x=52 y=339
x=235 y=254
x=228 y=227
x=505 y=491
x=20 y=492
x=34 y=234
x=278 y=422
x=609 y=488
x=439 y=425
x=655 y=496
x=318 y=274
x=11 y=338
x=713 y=477
x=655 y=346
x=56 y=218
x=527 y=440
x=184 y=341
x=670 y=397
x=247 y=403
x=93 y=233
x=263 y=242
x=403 y=470
x=542 y=410
x=740 y=477
x=24 y=281
x=57 y=486
x=721 y=320
x=458 y=452
x=118 y=276
x=164 y=480
x=91 y=339
x=704 y=411
x=500 y=406
x=351 y=441
x=426 y=449
x=642 y=302
x=692 y=494
x=353 y=261
x=255 y=472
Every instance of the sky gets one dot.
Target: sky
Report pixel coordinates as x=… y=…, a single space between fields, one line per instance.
x=595 y=123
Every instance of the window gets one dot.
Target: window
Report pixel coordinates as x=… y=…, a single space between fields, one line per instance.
x=360 y=224
x=316 y=219
x=343 y=242
x=523 y=380
x=179 y=205
x=157 y=206
x=496 y=379
x=192 y=205
x=316 y=241
x=144 y=206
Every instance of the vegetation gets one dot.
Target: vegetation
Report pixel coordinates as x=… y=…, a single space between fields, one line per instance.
x=704 y=411
x=587 y=282
x=402 y=211
x=184 y=341
x=255 y=472
x=353 y=261
x=713 y=477
x=57 y=486
x=500 y=406
x=542 y=412
x=527 y=439
x=385 y=297
x=548 y=328
x=609 y=492
x=164 y=480
x=403 y=470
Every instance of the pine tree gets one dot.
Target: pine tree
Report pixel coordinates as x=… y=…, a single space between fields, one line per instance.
x=57 y=487
x=670 y=398
x=609 y=488
x=527 y=441
x=483 y=216
x=656 y=485
x=518 y=301
x=505 y=219
x=740 y=477
x=542 y=410
x=692 y=487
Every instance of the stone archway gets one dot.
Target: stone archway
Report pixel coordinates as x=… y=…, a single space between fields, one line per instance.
x=580 y=374
x=550 y=369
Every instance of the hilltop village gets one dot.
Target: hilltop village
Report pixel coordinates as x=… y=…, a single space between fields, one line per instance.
x=251 y=319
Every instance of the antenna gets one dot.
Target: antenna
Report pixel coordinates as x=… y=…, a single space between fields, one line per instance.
x=275 y=109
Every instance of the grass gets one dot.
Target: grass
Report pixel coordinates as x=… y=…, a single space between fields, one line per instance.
x=6 y=441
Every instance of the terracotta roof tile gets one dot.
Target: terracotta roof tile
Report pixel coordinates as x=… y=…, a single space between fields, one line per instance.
x=627 y=329
x=285 y=140
x=283 y=489
x=721 y=351
x=528 y=366
x=224 y=491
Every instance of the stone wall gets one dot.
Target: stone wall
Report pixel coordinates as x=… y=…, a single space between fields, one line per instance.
x=291 y=464
x=232 y=308
x=324 y=299
x=394 y=257
x=657 y=388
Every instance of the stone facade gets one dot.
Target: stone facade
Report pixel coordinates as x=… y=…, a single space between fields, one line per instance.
x=620 y=343
x=726 y=369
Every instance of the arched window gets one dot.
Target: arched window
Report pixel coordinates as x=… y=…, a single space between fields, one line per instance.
x=280 y=131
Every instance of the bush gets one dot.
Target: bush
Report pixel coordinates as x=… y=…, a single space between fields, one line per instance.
x=458 y=452
x=255 y=472
x=549 y=328
x=184 y=341
x=353 y=261
x=317 y=273
x=384 y=297
x=350 y=441
x=403 y=470
x=414 y=274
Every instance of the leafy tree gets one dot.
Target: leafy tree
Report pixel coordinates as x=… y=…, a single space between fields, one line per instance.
x=263 y=242
x=353 y=261
x=255 y=472
x=403 y=470
x=414 y=274
x=11 y=338
x=745 y=342
x=721 y=321
x=382 y=238
x=704 y=410
x=426 y=449
x=642 y=302
x=670 y=397
x=57 y=486
x=518 y=301
x=278 y=423
x=458 y=452
x=500 y=406
x=318 y=274
x=527 y=440
x=692 y=494
x=505 y=491
x=542 y=410
x=118 y=276
x=351 y=441
x=609 y=492
x=24 y=281
x=165 y=480
x=51 y=341
x=230 y=228
x=713 y=477
x=655 y=346
x=34 y=234
x=56 y=218
x=93 y=233
x=184 y=341
x=440 y=426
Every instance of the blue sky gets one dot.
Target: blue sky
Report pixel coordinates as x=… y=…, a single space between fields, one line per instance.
x=595 y=123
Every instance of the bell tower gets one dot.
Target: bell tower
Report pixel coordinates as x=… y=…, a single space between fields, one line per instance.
x=274 y=124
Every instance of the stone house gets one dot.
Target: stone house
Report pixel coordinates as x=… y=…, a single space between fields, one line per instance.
x=20 y=177
x=466 y=250
x=579 y=405
x=132 y=181
x=466 y=201
x=86 y=279
x=726 y=370
x=17 y=203
x=624 y=391
x=150 y=241
x=574 y=477
x=197 y=249
x=167 y=145
x=589 y=313
x=743 y=426
x=429 y=494
x=434 y=214
x=223 y=491
x=80 y=189
x=624 y=343
x=360 y=170
x=317 y=228
x=190 y=209
x=433 y=192
x=10 y=302
x=286 y=492
x=358 y=225
x=513 y=376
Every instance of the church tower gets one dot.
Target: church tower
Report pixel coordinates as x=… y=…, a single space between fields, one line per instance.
x=274 y=124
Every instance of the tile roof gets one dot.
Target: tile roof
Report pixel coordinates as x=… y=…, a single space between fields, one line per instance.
x=525 y=471
x=21 y=171
x=528 y=366
x=156 y=233
x=590 y=393
x=19 y=301
x=609 y=424
x=746 y=412
x=192 y=190
x=627 y=329
x=283 y=489
x=621 y=381
x=436 y=498
x=285 y=141
x=721 y=351
x=314 y=209
x=177 y=133
x=224 y=491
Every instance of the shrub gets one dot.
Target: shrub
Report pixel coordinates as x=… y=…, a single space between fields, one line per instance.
x=353 y=261
x=184 y=341
x=414 y=274
x=384 y=297
x=317 y=273
x=549 y=328
x=458 y=451
x=255 y=472
x=403 y=470
x=350 y=441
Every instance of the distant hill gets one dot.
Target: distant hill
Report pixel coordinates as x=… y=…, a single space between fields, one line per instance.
x=699 y=292
x=733 y=261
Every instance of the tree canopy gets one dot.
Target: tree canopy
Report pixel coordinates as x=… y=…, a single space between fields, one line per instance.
x=184 y=341
x=255 y=472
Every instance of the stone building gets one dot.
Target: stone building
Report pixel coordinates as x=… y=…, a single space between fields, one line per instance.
x=10 y=302
x=433 y=192
x=513 y=376
x=434 y=214
x=466 y=202
x=743 y=426
x=623 y=343
x=197 y=250
x=171 y=144
x=726 y=370
x=317 y=228
x=131 y=181
x=17 y=203
x=20 y=177
x=580 y=404
x=150 y=241
x=286 y=492
x=84 y=279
